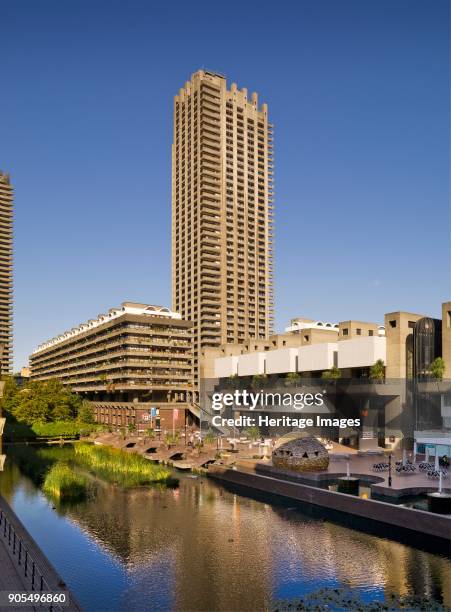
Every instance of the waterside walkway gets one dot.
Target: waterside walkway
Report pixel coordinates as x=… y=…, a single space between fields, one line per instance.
x=23 y=566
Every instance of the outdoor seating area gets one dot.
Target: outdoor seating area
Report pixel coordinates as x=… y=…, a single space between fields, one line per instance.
x=380 y=467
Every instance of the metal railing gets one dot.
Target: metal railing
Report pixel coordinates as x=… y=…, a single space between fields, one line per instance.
x=26 y=565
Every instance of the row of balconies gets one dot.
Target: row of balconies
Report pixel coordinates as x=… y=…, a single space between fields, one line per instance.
x=120 y=378
x=109 y=361
x=122 y=342
x=98 y=338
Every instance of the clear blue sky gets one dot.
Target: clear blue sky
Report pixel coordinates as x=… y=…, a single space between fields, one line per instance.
x=359 y=95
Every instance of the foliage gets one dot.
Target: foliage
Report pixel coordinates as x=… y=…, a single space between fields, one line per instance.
x=131 y=427
x=63 y=429
x=438 y=368
x=40 y=401
x=232 y=380
x=15 y=430
x=150 y=433
x=253 y=433
x=332 y=374
x=120 y=467
x=332 y=598
x=292 y=379
x=62 y=482
x=259 y=380
x=209 y=437
x=10 y=397
x=377 y=371
x=86 y=412
x=171 y=439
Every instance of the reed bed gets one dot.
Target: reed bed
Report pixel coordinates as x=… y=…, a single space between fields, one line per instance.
x=62 y=483
x=120 y=467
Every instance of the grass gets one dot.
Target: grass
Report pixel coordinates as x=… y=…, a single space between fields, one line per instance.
x=63 y=483
x=15 y=430
x=63 y=429
x=120 y=467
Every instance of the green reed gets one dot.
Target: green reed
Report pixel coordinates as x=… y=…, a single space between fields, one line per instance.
x=120 y=467
x=62 y=483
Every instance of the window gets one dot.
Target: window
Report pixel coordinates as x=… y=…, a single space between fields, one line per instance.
x=358 y=331
x=306 y=337
x=411 y=324
x=448 y=318
x=393 y=323
x=345 y=331
x=370 y=332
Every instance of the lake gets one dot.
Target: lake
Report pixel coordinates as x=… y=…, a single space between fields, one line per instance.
x=202 y=547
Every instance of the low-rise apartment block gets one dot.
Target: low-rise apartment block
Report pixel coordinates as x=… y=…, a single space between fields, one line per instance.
x=134 y=364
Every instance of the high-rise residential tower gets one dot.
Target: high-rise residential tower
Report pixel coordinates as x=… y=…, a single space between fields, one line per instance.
x=222 y=213
x=6 y=273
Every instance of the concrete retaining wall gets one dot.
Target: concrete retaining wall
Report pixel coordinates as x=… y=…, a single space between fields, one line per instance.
x=407 y=518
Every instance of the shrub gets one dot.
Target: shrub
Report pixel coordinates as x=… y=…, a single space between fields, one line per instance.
x=209 y=437
x=171 y=439
x=438 y=369
x=86 y=412
x=377 y=371
x=62 y=429
x=332 y=374
x=253 y=433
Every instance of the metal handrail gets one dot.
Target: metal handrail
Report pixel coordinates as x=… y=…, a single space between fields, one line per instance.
x=25 y=560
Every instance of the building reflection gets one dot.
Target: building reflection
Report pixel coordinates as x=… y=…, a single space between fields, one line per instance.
x=219 y=554
x=203 y=547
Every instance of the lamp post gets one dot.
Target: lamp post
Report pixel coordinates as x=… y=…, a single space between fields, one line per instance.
x=389 y=470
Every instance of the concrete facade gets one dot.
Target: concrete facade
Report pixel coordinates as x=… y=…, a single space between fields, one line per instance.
x=6 y=273
x=398 y=325
x=281 y=360
x=222 y=213
x=361 y=352
x=126 y=362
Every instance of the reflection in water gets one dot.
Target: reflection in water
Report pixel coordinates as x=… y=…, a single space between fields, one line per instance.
x=201 y=547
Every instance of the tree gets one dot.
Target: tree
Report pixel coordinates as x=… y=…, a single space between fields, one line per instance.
x=209 y=437
x=232 y=380
x=253 y=433
x=259 y=380
x=438 y=369
x=292 y=379
x=131 y=428
x=332 y=374
x=42 y=402
x=377 y=371
x=86 y=412
x=10 y=397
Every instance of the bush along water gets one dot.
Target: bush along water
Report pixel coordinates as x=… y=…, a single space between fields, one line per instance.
x=120 y=467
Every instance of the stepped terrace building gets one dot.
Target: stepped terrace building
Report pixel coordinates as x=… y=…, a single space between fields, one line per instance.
x=6 y=272
x=134 y=364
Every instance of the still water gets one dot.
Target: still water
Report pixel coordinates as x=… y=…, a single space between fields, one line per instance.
x=202 y=547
